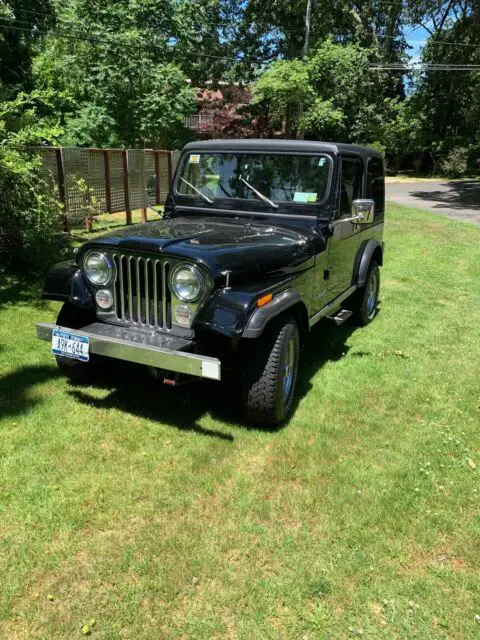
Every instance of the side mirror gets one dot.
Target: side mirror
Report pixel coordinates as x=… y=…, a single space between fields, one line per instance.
x=365 y=210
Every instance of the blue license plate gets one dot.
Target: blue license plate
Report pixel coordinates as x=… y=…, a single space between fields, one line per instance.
x=70 y=345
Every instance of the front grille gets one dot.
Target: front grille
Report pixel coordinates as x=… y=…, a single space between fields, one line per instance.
x=141 y=292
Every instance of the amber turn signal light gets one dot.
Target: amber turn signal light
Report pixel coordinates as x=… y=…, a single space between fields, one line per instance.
x=264 y=300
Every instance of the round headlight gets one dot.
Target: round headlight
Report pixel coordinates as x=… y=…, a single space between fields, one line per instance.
x=97 y=268
x=187 y=283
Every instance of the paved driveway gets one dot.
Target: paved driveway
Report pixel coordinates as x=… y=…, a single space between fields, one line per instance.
x=459 y=200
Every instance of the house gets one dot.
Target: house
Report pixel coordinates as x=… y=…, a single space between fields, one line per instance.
x=220 y=107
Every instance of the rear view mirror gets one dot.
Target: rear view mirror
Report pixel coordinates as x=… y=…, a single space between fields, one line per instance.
x=364 y=209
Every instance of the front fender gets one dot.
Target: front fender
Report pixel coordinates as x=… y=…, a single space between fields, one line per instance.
x=370 y=249
x=262 y=316
x=225 y=313
x=234 y=313
x=65 y=283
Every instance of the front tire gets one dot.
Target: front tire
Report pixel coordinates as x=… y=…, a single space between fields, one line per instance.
x=270 y=373
x=72 y=317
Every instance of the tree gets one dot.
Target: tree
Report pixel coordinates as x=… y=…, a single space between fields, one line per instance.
x=403 y=129
x=20 y=31
x=336 y=88
x=279 y=90
x=119 y=87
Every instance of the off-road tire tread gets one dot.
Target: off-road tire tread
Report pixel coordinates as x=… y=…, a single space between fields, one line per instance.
x=261 y=370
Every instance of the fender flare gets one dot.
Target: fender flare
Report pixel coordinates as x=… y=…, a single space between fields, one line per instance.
x=262 y=316
x=365 y=255
x=65 y=283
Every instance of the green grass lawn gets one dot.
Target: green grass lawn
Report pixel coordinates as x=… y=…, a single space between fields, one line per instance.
x=105 y=222
x=156 y=513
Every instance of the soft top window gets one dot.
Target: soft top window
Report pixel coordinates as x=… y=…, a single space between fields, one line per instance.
x=281 y=178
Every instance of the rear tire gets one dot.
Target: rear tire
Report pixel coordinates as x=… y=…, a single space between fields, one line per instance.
x=365 y=301
x=73 y=317
x=270 y=373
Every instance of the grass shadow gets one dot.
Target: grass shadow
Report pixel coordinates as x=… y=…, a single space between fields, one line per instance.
x=22 y=290
x=325 y=343
x=15 y=398
x=135 y=392
x=132 y=390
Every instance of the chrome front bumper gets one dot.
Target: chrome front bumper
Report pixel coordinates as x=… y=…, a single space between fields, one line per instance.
x=152 y=349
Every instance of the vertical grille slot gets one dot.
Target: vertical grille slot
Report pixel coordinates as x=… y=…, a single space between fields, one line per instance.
x=130 y=288
x=141 y=292
x=167 y=307
x=147 y=317
x=157 y=319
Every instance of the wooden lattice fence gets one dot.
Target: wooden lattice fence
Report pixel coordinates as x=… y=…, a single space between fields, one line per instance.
x=94 y=181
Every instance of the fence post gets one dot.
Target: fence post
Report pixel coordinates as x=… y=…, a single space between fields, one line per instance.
x=157 y=177
x=61 y=187
x=126 y=188
x=143 y=210
x=170 y=171
x=108 y=191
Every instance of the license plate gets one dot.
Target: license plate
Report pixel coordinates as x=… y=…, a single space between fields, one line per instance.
x=70 y=345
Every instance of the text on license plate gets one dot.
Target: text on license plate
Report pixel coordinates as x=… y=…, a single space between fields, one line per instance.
x=69 y=344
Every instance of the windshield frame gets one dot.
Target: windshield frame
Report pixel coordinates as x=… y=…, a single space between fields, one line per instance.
x=282 y=204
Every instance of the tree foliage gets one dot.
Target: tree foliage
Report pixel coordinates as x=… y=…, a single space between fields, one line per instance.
x=124 y=73
x=119 y=69
x=120 y=86
x=30 y=212
x=329 y=95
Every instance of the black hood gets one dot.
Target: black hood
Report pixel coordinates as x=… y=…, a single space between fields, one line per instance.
x=248 y=249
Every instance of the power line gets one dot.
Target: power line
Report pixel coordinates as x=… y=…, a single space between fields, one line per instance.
x=287 y=30
x=230 y=23
x=424 y=67
x=61 y=18
x=33 y=28
x=78 y=36
x=442 y=42
x=57 y=33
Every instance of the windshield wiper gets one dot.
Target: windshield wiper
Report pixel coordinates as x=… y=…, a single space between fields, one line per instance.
x=260 y=195
x=196 y=190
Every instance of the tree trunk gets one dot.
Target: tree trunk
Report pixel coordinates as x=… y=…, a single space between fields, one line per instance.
x=300 y=128
x=307 y=27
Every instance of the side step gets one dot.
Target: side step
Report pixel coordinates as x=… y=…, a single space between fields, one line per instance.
x=340 y=317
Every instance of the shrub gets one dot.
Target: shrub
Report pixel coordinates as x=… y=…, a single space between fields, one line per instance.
x=30 y=213
x=455 y=164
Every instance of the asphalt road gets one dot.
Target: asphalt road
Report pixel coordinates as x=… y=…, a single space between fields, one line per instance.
x=459 y=200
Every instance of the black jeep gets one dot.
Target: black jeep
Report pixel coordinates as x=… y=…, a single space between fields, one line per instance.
x=260 y=239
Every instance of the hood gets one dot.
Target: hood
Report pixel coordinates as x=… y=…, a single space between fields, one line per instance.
x=248 y=249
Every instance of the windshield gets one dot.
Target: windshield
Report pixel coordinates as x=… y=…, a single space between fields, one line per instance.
x=275 y=178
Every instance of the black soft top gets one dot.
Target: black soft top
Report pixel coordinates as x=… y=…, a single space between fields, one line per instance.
x=278 y=145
